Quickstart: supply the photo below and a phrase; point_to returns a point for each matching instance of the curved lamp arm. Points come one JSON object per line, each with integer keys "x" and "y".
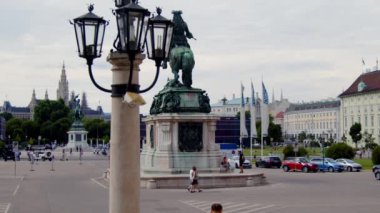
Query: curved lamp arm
{"x": 93, "y": 79}
{"x": 154, "y": 81}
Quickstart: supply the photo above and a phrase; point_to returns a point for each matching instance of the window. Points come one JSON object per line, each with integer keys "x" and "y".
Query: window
{"x": 372, "y": 121}
{"x": 365, "y": 120}
{"x": 345, "y": 121}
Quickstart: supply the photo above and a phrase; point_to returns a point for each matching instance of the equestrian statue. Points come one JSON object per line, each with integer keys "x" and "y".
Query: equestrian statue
{"x": 176, "y": 96}
{"x": 180, "y": 56}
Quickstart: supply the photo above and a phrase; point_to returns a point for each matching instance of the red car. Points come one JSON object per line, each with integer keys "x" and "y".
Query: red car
{"x": 299, "y": 164}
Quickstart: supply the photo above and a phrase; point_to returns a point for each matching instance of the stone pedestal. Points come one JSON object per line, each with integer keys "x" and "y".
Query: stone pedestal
{"x": 77, "y": 137}
{"x": 175, "y": 142}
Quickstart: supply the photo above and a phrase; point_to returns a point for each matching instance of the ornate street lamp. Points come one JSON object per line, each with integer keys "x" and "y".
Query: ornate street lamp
{"x": 120, "y": 3}
{"x": 134, "y": 31}
{"x": 132, "y": 23}
{"x": 89, "y": 32}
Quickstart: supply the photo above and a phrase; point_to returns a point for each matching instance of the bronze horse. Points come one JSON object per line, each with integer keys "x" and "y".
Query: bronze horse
{"x": 181, "y": 57}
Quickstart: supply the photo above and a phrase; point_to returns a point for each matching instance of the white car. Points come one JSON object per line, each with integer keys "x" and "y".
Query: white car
{"x": 349, "y": 165}
{"x": 42, "y": 155}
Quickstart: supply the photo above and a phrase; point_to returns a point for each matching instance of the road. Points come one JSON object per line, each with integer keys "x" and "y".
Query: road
{"x": 75, "y": 187}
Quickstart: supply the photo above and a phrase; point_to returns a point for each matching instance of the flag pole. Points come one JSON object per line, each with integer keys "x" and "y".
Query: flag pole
{"x": 251, "y": 147}
{"x": 262, "y": 145}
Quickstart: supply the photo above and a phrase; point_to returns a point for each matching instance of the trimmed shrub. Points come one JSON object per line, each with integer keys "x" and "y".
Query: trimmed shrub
{"x": 340, "y": 150}
{"x": 376, "y": 155}
{"x": 288, "y": 151}
{"x": 302, "y": 152}
{"x": 314, "y": 144}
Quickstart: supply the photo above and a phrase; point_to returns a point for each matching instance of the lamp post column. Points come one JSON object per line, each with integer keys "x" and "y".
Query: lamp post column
{"x": 125, "y": 147}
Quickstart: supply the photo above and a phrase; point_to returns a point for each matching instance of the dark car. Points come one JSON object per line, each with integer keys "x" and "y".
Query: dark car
{"x": 376, "y": 171}
{"x": 269, "y": 162}
{"x": 299, "y": 164}
{"x": 8, "y": 154}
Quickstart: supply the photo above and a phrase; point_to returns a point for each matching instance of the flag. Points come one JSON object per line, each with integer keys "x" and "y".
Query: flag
{"x": 363, "y": 62}
{"x": 243, "y": 128}
{"x": 264, "y": 112}
{"x": 253, "y": 113}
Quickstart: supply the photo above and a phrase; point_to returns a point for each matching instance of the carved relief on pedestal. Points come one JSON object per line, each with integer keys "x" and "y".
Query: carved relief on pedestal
{"x": 151, "y": 137}
{"x": 190, "y": 136}
{"x": 165, "y": 136}
{"x": 211, "y": 127}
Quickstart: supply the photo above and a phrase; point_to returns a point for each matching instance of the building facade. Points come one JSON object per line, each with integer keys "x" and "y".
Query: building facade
{"x": 230, "y": 108}
{"x": 319, "y": 119}
{"x": 360, "y": 103}
{"x": 62, "y": 93}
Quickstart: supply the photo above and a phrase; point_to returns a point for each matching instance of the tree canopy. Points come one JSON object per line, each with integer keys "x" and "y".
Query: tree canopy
{"x": 355, "y": 133}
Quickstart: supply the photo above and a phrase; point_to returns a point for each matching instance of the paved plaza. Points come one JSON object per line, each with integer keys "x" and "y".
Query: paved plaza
{"x": 76, "y": 186}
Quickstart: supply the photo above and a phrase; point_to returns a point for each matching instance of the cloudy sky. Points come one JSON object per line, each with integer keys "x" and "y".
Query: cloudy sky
{"x": 311, "y": 50}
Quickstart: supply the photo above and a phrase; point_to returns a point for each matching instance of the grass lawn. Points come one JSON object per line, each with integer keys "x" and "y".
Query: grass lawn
{"x": 278, "y": 151}
{"x": 365, "y": 162}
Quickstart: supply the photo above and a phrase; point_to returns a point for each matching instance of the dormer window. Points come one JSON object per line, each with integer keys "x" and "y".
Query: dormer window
{"x": 361, "y": 86}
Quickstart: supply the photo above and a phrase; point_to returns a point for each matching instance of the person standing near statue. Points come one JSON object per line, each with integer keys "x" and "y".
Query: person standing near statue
{"x": 194, "y": 180}
{"x": 241, "y": 161}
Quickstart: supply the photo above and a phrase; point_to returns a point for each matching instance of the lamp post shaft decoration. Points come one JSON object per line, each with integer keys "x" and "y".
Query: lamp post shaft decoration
{"x": 133, "y": 28}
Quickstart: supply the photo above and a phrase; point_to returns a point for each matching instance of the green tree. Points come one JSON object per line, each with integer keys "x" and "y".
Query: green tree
{"x": 97, "y": 128}
{"x": 14, "y": 128}
{"x": 30, "y": 129}
{"x": 50, "y": 111}
{"x": 369, "y": 141}
{"x": 60, "y": 128}
{"x": 355, "y": 133}
{"x": 376, "y": 155}
{"x": 302, "y": 136}
{"x": 344, "y": 138}
{"x": 275, "y": 132}
{"x": 54, "y": 119}
{"x": 6, "y": 115}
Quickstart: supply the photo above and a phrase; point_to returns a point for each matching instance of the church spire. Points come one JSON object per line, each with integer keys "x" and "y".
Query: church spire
{"x": 282, "y": 97}
{"x": 272, "y": 95}
{"x": 63, "y": 86}
{"x": 34, "y": 95}
{"x": 84, "y": 101}
{"x": 46, "y": 95}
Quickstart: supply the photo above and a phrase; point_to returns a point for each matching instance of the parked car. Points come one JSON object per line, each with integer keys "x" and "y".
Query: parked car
{"x": 376, "y": 168}
{"x": 328, "y": 164}
{"x": 8, "y": 154}
{"x": 349, "y": 165}
{"x": 246, "y": 165}
{"x": 299, "y": 164}
{"x": 42, "y": 155}
{"x": 376, "y": 171}
{"x": 268, "y": 162}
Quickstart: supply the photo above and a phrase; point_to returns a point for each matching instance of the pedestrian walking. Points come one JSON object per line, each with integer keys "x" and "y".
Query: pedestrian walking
{"x": 194, "y": 180}
{"x": 241, "y": 161}
{"x": 64, "y": 155}
{"x": 216, "y": 208}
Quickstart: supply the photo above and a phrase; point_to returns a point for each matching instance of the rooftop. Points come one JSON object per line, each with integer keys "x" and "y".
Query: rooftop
{"x": 366, "y": 82}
